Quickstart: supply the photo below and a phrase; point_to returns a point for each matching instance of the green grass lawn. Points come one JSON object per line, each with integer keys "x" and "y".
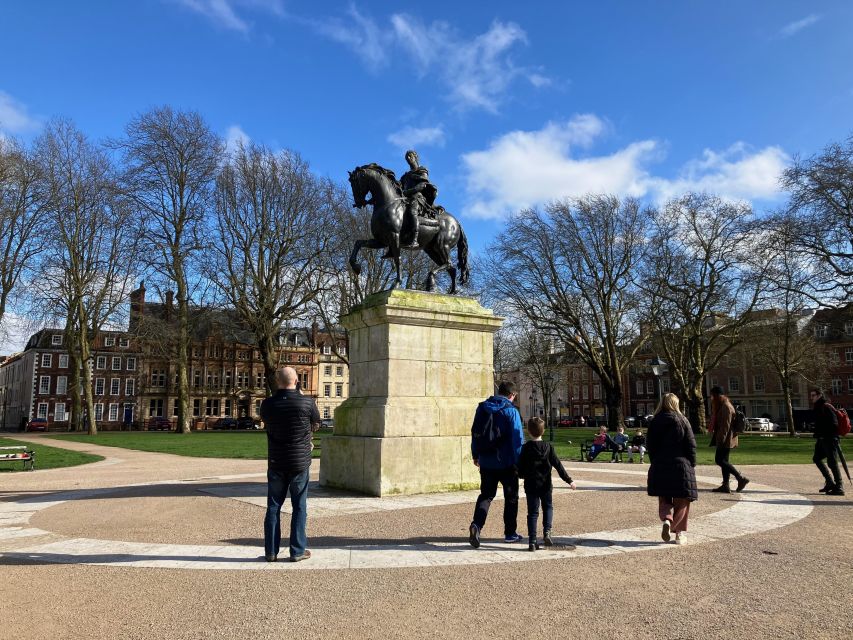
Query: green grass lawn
{"x": 47, "y": 457}
{"x": 252, "y": 445}
{"x": 247, "y": 445}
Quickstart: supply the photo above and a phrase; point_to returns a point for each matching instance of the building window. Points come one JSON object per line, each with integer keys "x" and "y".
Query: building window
{"x": 650, "y": 387}
{"x": 174, "y": 408}
{"x": 59, "y": 412}
{"x": 99, "y": 386}
{"x": 131, "y": 364}
{"x": 99, "y": 412}
{"x": 101, "y": 362}
{"x": 196, "y": 407}
{"x": 56, "y": 338}
{"x": 196, "y": 352}
{"x": 257, "y": 407}
{"x": 734, "y": 384}
{"x": 834, "y": 356}
{"x": 227, "y": 412}
{"x": 342, "y": 350}
{"x": 259, "y": 379}
{"x": 115, "y": 386}
{"x": 850, "y": 384}
{"x": 44, "y": 384}
{"x": 585, "y": 392}
{"x": 61, "y": 385}
{"x": 42, "y": 410}
{"x": 640, "y": 387}
{"x": 211, "y": 407}
{"x": 113, "y": 412}
{"x": 327, "y": 390}
{"x": 155, "y": 407}
{"x": 117, "y": 364}
{"x": 303, "y": 381}
{"x": 327, "y": 413}
{"x": 596, "y": 392}
{"x": 576, "y": 391}
{"x": 109, "y": 341}
{"x": 158, "y": 378}
{"x": 664, "y": 385}
{"x": 339, "y": 371}
{"x": 327, "y": 350}
{"x": 242, "y": 355}
{"x": 124, "y": 343}
{"x": 327, "y": 370}
{"x": 820, "y": 330}
{"x": 63, "y": 361}
{"x": 848, "y": 328}
{"x": 227, "y": 379}
{"x": 339, "y": 390}
{"x": 197, "y": 378}
{"x": 129, "y": 387}
{"x": 848, "y": 355}
{"x": 242, "y": 379}
{"x": 836, "y": 386}
{"x": 46, "y": 360}
{"x": 758, "y": 383}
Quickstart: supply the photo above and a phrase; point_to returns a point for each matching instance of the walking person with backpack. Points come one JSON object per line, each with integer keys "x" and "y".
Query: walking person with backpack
{"x": 496, "y": 439}
{"x": 726, "y": 424}
{"x": 534, "y": 465}
{"x": 826, "y": 447}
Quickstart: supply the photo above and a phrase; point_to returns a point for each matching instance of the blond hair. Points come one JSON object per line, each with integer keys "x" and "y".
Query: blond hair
{"x": 669, "y": 402}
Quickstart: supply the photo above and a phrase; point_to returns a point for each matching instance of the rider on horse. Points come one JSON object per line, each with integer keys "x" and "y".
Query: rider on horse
{"x": 421, "y": 195}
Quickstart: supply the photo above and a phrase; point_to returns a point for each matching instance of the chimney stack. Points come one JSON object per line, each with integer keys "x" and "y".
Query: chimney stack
{"x": 137, "y": 305}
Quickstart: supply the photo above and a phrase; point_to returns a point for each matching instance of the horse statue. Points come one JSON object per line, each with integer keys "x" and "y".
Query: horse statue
{"x": 436, "y": 236}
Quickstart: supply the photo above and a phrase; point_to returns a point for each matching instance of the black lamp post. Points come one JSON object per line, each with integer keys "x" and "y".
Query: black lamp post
{"x": 659, "y": 367}
{"x": 549, "y": 383}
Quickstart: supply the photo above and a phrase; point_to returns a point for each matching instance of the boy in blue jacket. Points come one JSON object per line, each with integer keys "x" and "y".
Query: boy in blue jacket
{"x": 497, "y": 461}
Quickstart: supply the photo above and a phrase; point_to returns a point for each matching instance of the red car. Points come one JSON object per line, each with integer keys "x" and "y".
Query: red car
{"x": 37, "y": 424}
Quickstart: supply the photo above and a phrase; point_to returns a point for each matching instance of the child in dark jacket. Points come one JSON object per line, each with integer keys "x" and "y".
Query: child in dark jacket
{"x": 534, "y": 465}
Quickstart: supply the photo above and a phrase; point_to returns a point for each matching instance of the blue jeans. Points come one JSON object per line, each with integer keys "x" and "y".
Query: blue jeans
{"x": 278, "y": 485}
{"x": 533, "y": 500}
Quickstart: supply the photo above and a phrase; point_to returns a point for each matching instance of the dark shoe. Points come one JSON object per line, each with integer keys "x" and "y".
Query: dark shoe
{"x": 474, "y": 535}
{"x": 742, "y": 483}
{"x": 304, "y": 556}
{"x": 515, "y": 537}
{"x": 547, "y": 539}
{"x": 827, "y": 488}
{"x": 837, "y": 490}
{"x": 533, "y": 546}
{"x": 664, "y": 532}
{"x": 721, "y": 489}
{"x": 271, "y": 558}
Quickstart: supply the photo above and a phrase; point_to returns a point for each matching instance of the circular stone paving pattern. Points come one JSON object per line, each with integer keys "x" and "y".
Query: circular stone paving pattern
{"x": 761, "y": 508}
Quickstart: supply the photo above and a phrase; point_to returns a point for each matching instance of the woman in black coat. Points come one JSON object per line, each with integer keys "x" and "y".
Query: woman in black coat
{"x": 672, "y": 452}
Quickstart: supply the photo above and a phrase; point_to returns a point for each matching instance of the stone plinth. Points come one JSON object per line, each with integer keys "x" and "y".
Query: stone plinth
{"x": 419, "y": 364}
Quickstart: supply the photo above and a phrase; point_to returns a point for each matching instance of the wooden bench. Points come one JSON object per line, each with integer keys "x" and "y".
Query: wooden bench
{"x": 586, "y": 446}
{"x": 18, "y": 454}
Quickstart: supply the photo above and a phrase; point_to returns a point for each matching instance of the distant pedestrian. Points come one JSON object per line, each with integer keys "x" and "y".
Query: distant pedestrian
{"x": 826, "y": 447}
{"x": 725, "y": 439}
{"x": 672, "y": 479}
{"x": 289, "y": 417}
{"x": 534, "y": 465}
{"x": 496, "y": 440}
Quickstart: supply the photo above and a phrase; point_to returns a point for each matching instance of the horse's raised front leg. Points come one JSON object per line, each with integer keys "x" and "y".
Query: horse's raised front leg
{"x": 359, "y": 244}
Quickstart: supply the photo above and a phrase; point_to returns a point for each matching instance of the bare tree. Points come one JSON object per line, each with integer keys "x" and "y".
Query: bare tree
{"x": 703, "y": 279}
{"x": 821, "y": 197}
{"x": 22, "y": 214}
{"x": 88, "y": 265}
{"x": 171, "y": 159}
{"x": 540, "y": 361}
{"x": 571, "y": 271}
{"x": 271, "y": 221}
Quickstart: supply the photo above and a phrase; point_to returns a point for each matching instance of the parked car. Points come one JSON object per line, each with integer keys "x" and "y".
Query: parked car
{"x": 37, "y": 424}
{"x": 159, "y": 423}
{"x": 327, "y": 423}
{"x": 247, "y": 422}
{"x": 225, "y": 423}
{"x": 566, "y": 422}
{"x": 759, "y": 424}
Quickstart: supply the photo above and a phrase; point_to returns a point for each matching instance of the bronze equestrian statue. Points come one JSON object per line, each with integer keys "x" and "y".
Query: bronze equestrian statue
{"x": 405, "y": 216}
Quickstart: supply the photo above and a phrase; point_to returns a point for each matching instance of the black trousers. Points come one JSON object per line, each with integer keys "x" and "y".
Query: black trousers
{"x": 489, "y": 479}
{"x": 827, "y": 449}
{"x": 722, "y": 460}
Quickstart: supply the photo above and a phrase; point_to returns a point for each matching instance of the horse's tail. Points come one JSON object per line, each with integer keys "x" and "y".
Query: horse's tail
{"x": 462, "y": 257}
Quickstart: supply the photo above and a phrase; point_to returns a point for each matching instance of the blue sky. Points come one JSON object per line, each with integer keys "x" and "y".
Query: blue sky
{"x": 510, "y": 104}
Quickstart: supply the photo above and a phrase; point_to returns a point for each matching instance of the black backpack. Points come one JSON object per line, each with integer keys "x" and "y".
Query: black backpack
{"x": 485, "y": 432}
{"x": 739, "y": 422}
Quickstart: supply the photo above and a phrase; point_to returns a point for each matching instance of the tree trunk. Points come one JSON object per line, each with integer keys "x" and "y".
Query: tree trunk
{"x": 183, "y": 425}
{"x": 613, "y": 401}
{"x": 74, "y": 389}
{"x": 789, "y": 408}
{"x": 696, "y": 407}
{"x": 88, "y": 396}
{"x": 265, "y": 344}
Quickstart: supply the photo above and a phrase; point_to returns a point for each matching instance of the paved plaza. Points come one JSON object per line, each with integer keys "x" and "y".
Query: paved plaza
{"x": 146, "y": 545}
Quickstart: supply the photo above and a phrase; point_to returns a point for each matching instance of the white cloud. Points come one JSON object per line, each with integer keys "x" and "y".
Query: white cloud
{"x": 224, "y": 12}
{"x": 14, "y": 116}
{"x": 409, "y": 137}
{"x": 234, "y": 137}
{"x": 528, "y": 168}
{"x": 795, "y": 27}
{"x": 362, "y": 35}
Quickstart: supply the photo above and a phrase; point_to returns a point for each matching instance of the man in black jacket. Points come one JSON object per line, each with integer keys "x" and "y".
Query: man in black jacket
{"x": 290, "y": 418}
{"x": 826, "y": 433}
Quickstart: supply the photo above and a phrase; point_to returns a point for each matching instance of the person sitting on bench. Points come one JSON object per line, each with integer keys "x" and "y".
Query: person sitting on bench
{"x": 620, "y": 443}
{"x": 638, "y": 445}
{"x": 600, "y": 443}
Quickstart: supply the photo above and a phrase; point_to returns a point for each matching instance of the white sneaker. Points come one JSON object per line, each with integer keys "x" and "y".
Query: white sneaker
{"x": 680, "y": 538}
{"x": 664, "y": 532}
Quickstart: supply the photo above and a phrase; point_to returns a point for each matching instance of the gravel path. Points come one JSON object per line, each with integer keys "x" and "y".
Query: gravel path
{"x": 792, "y": 582}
